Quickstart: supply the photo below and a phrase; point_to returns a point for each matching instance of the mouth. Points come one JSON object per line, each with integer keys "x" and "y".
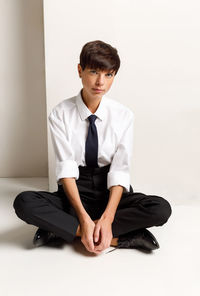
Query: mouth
{"x": 97, "y": 90}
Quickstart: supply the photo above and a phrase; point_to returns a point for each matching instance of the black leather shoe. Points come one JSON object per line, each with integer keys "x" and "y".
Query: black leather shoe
{"x": 43, "y": 237}
{"x": 138, "y": 239}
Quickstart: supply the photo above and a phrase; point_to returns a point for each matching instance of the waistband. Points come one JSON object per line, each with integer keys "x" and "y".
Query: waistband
{"x": 89, "y": 171}
{"x": 85, "y": 170}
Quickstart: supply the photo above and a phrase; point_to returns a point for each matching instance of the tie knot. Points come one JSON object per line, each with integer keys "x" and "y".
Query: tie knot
{"x": 92, "y": 118}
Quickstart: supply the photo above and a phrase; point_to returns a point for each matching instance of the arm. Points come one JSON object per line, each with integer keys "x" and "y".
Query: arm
{"x": 118, "y": 183}
{"x": 86, "y": 224}
{"x": 118, "y": 179}
{"x": 71, "y": 190}
{"x": 119, "y": 173}
{"x": 66, "y": 173}
{"x": 114, "y": 199}
{"x": 66, "y": 166}
{"x": 88, "y": 228}
{"x": 104, "y": 225}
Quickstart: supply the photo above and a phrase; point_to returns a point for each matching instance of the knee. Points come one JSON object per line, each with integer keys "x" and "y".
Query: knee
{"x": 21, "y": 201}
{"x": 163, "y": 211}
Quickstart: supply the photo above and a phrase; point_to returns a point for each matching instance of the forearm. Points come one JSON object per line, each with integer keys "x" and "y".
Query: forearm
{"x": 113, "y": 202}
{"x": 71, "y": 190}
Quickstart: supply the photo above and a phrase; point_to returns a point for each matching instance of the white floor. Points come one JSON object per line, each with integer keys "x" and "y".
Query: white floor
{"x": 174, "y": 269}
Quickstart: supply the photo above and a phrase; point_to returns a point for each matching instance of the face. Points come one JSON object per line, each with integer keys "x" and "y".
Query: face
{"x": 96, "y": 82}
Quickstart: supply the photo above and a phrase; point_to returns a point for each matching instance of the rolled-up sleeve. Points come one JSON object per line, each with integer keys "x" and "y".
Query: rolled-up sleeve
{"x": 66, "y": 166}
{"x": 119, "y": 173}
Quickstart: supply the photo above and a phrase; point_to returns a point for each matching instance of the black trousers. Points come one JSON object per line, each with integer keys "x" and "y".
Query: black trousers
{"x": 53, "y": 212}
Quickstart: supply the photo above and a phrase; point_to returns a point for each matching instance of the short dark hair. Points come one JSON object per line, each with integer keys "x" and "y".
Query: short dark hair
{"x": 99, "y": 55}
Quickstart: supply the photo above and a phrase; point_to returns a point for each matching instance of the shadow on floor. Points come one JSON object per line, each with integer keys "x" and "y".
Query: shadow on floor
{"x": 22, "y": 236}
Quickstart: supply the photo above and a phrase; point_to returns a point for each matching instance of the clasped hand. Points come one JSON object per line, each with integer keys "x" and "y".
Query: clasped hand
{"x": 96, "y": 235}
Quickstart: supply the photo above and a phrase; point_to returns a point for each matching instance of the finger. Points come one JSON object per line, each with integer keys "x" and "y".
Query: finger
{"x": 100, "y": 247}
{"x": 105, "y": 244}
{"x": 96, "y": 234}
{"x": 90, "y": 245}
{"x": 97, "y": 251}
{"x": 103, "y": 247}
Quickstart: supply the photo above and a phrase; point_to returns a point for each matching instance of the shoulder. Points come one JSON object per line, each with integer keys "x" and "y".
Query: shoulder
{"x": 63, "y": 107}
{"x": 119, "y": 110}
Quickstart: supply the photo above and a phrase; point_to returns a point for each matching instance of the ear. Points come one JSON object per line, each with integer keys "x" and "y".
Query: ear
{"x": 79, "y": 70}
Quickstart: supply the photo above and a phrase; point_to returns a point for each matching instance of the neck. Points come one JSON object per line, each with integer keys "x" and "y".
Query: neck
{"x": 91, "y": 103}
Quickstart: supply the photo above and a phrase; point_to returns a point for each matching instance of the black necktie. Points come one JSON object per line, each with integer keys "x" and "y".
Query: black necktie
{"x": 91, "y": 144}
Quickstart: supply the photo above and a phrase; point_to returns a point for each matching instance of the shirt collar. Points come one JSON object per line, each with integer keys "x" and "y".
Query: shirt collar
{"x": 85, "y": 112}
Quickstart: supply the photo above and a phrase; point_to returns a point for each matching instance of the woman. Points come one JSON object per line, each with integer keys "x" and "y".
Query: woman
{"x": 92, "y": 137}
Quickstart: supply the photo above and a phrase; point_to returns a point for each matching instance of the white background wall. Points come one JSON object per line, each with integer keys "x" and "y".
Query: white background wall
{"x": 159, "y": 45}
{"x": 23, "y": 127}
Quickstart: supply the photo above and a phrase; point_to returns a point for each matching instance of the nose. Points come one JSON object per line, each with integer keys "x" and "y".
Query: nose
{"x": 100, "y": 79}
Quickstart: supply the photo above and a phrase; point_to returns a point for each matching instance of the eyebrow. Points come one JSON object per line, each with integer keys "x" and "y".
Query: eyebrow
{"x": 108, "y": 71}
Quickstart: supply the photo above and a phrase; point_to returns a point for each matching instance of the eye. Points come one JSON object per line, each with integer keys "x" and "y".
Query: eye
{"x": 109, "y": 74}
{"x": 93, "y": 71}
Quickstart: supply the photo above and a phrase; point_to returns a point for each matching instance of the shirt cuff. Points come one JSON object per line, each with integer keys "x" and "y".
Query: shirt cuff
{"x": 66, "y": 169}
{"x": 118, "y": 178}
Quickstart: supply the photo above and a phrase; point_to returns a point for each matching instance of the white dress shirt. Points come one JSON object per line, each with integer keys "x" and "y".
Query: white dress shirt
{"x": 69, "y": 127}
